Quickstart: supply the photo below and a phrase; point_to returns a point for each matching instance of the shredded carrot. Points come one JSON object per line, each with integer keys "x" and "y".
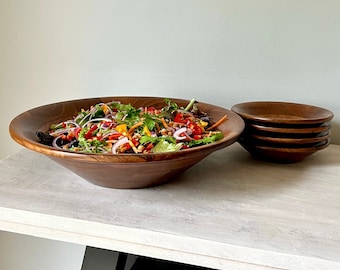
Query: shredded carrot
{"x": 157, "y": 127}
{"x": 164, "y": 123}
{"x": 218, "y": 123}
{"x": 133, "y": 147}
{"x": 134, "y": 127}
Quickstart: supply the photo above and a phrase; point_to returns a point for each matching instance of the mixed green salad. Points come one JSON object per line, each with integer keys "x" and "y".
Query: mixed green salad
{"x": 117, "y": 128}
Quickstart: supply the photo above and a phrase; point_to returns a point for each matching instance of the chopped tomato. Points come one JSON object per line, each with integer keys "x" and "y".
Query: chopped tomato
{"x": 197, "y": 137}
{"x": 196, "y": 130}
{"x": 151, "y": 110}
{"x": 179, "y": 118}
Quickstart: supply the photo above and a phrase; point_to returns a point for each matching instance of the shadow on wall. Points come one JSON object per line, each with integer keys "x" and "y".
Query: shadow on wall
{"x": 335, "y": 129}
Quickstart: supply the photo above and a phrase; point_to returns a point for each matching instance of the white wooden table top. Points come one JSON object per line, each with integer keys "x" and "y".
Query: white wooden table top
{"x": 230, "y": 211}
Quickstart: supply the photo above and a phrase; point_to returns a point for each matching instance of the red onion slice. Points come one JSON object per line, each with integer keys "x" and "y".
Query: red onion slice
{"x": 62, "y": 131}
{"x": 54, "y": 142}
{"x": 97, "y": 120}
{"x": 106, "y": 105}
{"x": 178, "y": 132}
{"x": 120, "y": 142}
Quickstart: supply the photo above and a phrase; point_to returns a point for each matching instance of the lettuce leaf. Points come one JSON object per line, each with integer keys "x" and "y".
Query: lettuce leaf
{"x": 151, "y": 139}
{"x": 165, "y": 146}
{"x": 213, "y": 138}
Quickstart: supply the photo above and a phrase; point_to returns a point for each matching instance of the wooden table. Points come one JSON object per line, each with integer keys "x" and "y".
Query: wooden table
{"x": 230, "y": 211}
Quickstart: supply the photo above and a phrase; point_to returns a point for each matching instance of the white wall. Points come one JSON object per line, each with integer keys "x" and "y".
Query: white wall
{"x": 222, "y": 52}
{"x": 21, "y": 252}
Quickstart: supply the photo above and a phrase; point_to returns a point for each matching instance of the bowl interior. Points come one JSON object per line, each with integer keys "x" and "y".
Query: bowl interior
{"x": 282, "y": 112}
{"x": 23, "y": 127}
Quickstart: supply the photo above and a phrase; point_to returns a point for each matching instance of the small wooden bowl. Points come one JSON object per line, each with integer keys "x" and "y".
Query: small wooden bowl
{"x": 288, "y": 141}
{"x": 120, "y": 170}
{"x": 279, "y": 154}
{"x": 297, "y": 131}
{"x": 285, "y": 113}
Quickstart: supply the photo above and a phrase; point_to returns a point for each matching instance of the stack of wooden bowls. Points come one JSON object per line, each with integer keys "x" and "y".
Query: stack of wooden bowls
{"x": 283, "y": 132}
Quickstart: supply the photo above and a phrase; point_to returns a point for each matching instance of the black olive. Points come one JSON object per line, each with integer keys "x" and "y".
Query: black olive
{"x": 44, "y": 138}
{"x": 205, "y": 118}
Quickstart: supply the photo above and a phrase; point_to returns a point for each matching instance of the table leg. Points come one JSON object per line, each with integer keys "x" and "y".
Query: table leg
{"x": 102, "y": 259}
{"x": 121, "y": 262}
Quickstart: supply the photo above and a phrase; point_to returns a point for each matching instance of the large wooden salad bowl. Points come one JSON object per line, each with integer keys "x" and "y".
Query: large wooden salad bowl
{"x": 120, "y": 170}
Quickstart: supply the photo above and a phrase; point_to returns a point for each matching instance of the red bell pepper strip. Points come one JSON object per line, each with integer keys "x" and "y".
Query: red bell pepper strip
{"x": 115, "y": 136}
{"x": 89, "y": 134}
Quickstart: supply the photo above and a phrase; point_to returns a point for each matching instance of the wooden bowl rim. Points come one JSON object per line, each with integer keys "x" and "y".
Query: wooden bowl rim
{"x": 244, "y": 110}
{"x": 296, "y": 149}
{"x": 289, "y": 130}
{"x": 17, "y": 136}
{"x": 289, "y": 141}
{"x": 306, "y": 150}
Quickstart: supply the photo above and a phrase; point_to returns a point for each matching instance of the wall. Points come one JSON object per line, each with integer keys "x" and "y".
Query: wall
{"x": 21, "y": 252}
{"x": 222, "y": 52}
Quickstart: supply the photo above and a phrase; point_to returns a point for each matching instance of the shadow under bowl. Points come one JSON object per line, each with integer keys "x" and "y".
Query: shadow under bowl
{"x": 120, "y": 170}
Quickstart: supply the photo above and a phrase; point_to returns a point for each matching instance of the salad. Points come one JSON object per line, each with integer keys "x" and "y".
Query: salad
{"x": 116, "y": 128}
